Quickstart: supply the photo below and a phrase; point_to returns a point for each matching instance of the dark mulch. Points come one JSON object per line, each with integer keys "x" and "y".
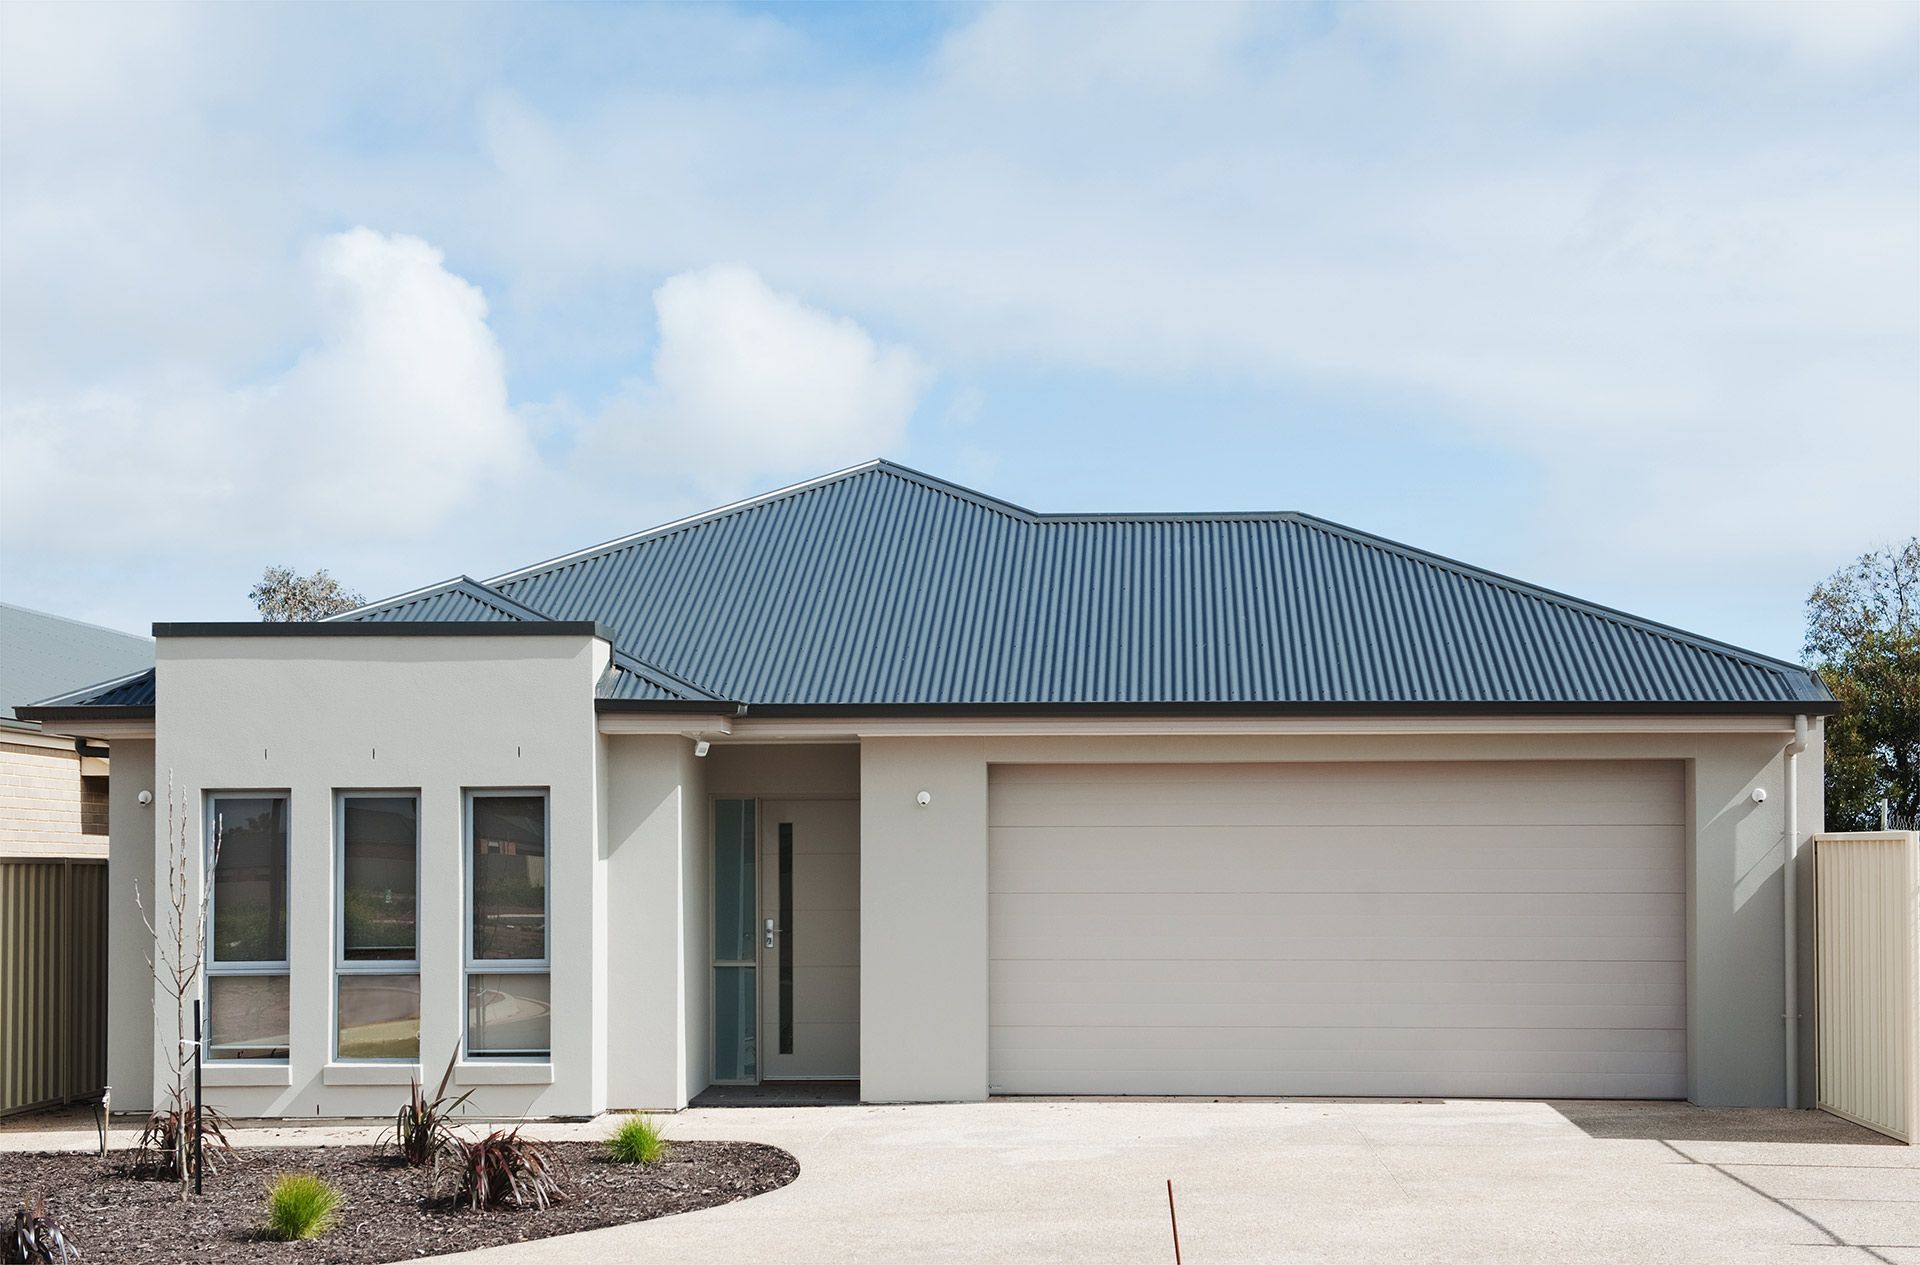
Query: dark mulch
{"x": 391, "y": 1211}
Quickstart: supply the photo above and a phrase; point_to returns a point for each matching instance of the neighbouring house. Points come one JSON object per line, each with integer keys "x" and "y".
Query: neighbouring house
{"x": 879, "y": 778}
{"x": 53, "y": 787}
{"x": 53, "y": 850}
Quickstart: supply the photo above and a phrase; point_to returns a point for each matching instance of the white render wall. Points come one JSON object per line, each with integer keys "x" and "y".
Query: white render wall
{"x": 924, "y": 889}
{"x": 312, "y": 715}
{"x": 659, "y": 960}
{"x": 130, "y": 837}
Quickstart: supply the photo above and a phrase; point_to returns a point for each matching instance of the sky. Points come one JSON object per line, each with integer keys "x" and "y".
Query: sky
{"x": 1621, "y": 299}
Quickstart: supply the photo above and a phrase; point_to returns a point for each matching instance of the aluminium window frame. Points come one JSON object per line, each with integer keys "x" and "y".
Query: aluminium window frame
{"x": 471, "y": 966}
{"x": 210, "y": 964}
{"x": 341, "y": 964}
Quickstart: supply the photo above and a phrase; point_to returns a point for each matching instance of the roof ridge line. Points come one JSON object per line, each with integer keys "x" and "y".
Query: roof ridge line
{"x": 1527, "y": 588}
{"x": 629, "y": 662}
{"x": 681, "y": 524}
{"x": 476, "y": 589}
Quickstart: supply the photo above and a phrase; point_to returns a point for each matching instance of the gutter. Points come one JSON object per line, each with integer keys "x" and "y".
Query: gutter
{"x": 1791, "y": 911}
{"x": 1244, "y": 708}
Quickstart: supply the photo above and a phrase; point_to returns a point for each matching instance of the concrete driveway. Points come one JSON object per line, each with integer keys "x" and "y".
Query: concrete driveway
{"x": 1370, "y": 1182}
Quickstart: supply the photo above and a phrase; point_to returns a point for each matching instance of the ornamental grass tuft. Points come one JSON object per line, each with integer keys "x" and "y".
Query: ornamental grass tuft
{"x": 301, "y": 1205}
{"x": 636, "y": 1140}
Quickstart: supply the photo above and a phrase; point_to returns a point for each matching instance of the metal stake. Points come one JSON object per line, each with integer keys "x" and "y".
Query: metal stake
{"x": 198, "y": 1168}
{"x": 1171, "y": 1216}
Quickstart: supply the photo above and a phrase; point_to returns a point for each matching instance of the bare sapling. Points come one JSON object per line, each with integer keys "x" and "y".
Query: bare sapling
{"x": 178, "y": 955}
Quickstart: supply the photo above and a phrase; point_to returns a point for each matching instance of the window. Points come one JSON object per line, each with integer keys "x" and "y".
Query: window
{"x": 247, "y": 931}
{"x": 377, "y": 873}
{"x": 508, "y": 970}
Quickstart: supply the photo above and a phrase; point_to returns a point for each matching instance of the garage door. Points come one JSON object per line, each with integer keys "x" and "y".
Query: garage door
{"x": 1404, "y": 930}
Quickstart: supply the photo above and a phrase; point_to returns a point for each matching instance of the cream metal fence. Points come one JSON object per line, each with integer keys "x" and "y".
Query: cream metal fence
{"x": 1867, "y": 1001}
{"x": 53, "y": 981}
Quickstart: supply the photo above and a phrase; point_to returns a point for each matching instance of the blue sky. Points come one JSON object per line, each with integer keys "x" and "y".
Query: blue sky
{"x": 1623, "y": 299}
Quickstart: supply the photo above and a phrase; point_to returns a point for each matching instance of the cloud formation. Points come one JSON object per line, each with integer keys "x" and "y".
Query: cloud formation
{"x": 747, "y": 382}
{"x": 1659, "y": 258}
{"x": 393, "y": 416}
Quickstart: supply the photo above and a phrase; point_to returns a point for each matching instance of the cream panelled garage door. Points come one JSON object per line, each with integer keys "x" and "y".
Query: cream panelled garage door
{"x": 1445, "y": 929}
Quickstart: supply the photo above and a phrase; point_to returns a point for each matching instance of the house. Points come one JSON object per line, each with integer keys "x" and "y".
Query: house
{"x": 53, "y": 851}
{"x": 878, "y": 777}
{"x": 53, "y": 788}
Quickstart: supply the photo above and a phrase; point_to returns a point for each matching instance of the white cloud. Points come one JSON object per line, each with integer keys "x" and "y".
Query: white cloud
{"x": 393, "y": 416}
{"x": 748, "y": 381}
{"x": 1817, "y": 34}
{"x": 1661, "y": 254}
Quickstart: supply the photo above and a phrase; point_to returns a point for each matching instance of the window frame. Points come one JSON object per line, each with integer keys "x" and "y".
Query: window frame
{"x": 342, "y": 965}
{"x": 471, "y": 966}
{"x": 210, "y": 964}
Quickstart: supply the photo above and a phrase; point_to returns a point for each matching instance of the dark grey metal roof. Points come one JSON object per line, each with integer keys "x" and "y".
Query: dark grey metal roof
{"x": 466, "y": 598}
{"x": 462, "y": 598}
{"x": 881, "y": 586}
{"x": 42, "y": 655}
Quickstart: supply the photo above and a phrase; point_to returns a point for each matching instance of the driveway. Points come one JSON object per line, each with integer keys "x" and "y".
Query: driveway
{"x": 1372, "y": 1183}
{"x": 1363, "y": 1182}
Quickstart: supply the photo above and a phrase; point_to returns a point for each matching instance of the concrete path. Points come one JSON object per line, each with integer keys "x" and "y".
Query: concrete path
{"x": 1362, "y": 1182}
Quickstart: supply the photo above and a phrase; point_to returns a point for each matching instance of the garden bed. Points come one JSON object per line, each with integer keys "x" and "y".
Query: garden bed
{"x": 391, "y": 1211}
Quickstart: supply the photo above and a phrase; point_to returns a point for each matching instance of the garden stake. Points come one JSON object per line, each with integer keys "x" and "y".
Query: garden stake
{"x": 1174, "y": 1218}
{"x": 197, "y": 1168}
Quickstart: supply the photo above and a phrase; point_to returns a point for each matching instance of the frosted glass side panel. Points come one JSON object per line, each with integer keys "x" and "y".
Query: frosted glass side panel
{"x": 734, "y": 1053}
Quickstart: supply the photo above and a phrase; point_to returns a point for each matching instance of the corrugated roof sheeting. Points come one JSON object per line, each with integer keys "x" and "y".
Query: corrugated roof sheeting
{"x": 131, "y": 691}
{"x": 461, "y": 599}
{"x": 882, "y": 586}
{"x": 886, "y": 587}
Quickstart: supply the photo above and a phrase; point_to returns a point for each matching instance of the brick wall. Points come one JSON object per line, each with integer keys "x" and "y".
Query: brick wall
{"x": 44, "y": 808}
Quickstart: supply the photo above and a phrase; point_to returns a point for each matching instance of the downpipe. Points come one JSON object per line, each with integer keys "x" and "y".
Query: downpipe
{"x": 1791, "y": 923}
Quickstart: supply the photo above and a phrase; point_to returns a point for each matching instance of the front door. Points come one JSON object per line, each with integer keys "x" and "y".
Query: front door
{"x": 809, "y": 878}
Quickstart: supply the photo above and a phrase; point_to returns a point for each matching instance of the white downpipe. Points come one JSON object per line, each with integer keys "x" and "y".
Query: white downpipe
{"x": 1792, "y": 909}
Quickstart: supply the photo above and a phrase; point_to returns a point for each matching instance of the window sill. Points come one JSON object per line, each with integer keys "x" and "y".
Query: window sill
{"x": 241, "y": 1072}
{"x": 503, "y": 1072}
{"x": 369, "y": 1073}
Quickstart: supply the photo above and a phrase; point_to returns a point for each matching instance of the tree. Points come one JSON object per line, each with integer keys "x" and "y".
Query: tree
{"x": 178, "y": 956}
{"x": 1863, "y": 636}
{"x": 282, "y": 596}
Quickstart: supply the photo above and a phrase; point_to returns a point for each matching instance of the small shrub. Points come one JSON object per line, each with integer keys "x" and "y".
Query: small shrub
{"x": 165, "y": 1148}
{"x": 301, "y": 1205}
{"x": 501, "y": 1168}
{"x": 37, "y": 1238}
{"x": 423, "y": 1126}
{"x": 636, "y": 1140}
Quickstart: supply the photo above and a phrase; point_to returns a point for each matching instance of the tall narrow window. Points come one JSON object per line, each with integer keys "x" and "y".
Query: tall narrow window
{"x": 377, "y": 1002}
{"x": 247, "y": 1015}
{"x": 508, "y": 967}
{"x": 736, "y": 936}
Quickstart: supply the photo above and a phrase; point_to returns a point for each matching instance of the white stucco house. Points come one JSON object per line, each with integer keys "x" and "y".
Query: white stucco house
{"x": 877, "y": 778}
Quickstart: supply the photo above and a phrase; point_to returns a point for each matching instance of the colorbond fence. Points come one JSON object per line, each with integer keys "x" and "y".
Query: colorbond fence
{"x": 1867, "y": 1006}
{"x": 53, "y": 981}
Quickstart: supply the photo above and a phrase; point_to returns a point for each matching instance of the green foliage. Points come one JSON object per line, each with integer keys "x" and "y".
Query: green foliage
{"x": 636, "y": 1140}
{"x": 282, "y": 596}
{"x": 301, "y": 1205}
{"x": 424, "y": 1126}
{"x": 1863, "y": 635}
{"x": 501, "y": 1168}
